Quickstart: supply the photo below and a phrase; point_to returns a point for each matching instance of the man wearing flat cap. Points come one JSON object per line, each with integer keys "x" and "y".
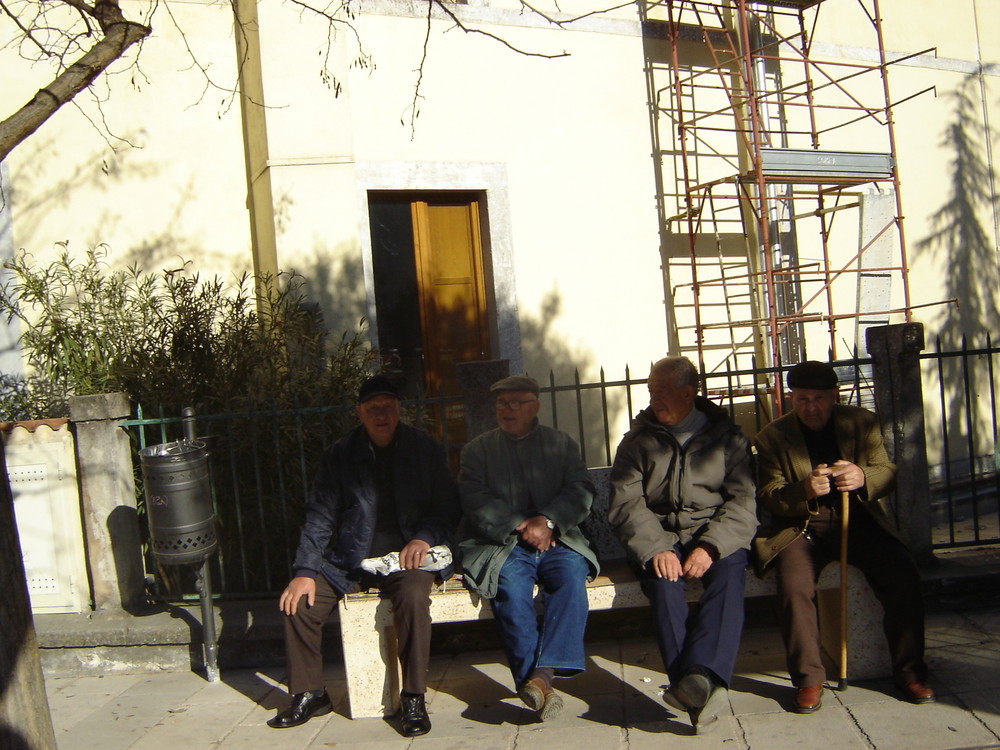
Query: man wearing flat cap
{"x": 806, "y": 459}
{"x": 383, "y": 488}
{"x": 525, "y": 491}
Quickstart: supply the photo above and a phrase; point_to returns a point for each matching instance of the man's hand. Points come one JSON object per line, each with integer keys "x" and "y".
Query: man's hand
{"x": 298, "y": 587}
{"x": 818, "y": 481}
{"x": 535, "y": 531}
{"x": 412, "y": 555}
{"x": 847, "y": 476}
{"x": 697, "y": 563}
{"x": 666, "y": 565}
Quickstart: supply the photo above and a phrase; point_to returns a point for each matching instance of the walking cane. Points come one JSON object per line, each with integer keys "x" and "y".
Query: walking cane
{"x": 844, "y": 517}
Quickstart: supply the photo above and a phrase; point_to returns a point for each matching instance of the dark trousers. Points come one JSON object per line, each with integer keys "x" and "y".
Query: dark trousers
{"x": 707, "y": 635}
{"x": 408, "y": 590}
{"x": 890, "y": 571}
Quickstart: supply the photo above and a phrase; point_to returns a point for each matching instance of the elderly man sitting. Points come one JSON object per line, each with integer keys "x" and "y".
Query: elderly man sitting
{"x": 805, "y": 460}
{"x": 524, "y": 492}
{"x": 682, "y": 503}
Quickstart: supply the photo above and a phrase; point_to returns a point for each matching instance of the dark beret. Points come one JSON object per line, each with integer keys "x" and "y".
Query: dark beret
{"x": 817, "y": 376}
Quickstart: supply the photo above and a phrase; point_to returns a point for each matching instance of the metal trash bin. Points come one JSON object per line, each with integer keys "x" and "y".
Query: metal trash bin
{"x": 179, "y": 502}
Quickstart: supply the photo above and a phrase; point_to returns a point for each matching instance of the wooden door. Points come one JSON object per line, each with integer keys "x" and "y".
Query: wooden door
{"x": 452, "y": 294}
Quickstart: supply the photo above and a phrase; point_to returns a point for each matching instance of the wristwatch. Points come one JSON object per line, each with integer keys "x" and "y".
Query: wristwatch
{"x": 550, "y": 523}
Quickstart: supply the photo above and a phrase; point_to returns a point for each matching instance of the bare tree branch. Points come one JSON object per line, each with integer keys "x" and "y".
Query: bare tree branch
{"x": 468, "y": 30}
{"x": 24, "y": 29}
{"x": 119, "y": 35}
{"x": 85, "y": 47}
{"x": 333, "y": 20}
{"x": 415, "y": 104}
{"x": 567, "y": 21}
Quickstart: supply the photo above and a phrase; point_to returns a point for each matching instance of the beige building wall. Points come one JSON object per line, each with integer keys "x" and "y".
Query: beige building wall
{"x": 149, "y": 164}
{"x": 561, "y": 147}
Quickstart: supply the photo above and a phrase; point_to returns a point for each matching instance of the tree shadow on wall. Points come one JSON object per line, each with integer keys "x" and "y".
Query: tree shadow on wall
{"x": 550, "y": 359}
{"x": 334, "y": 280}
{"x": 960, "y": 237}
{"x": 36, "y": 198}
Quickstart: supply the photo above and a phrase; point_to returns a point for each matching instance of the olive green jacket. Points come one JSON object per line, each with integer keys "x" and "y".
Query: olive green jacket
{"x": 504, "y": 480}
{"x": 783, "y": 466}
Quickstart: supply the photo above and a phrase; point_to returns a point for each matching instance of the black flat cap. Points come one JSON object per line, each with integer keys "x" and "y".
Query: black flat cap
{"x": 817, "y": 376}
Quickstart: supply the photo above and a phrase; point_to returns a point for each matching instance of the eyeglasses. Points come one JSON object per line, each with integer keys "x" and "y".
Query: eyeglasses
{"x": 513, "y": 404}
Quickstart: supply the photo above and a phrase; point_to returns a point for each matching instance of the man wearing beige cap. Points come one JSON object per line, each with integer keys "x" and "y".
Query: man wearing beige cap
{"x": 524, "y": 491}
{"x": 806, "y": 459}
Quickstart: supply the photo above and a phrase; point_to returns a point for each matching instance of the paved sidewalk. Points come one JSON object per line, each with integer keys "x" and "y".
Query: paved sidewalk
{"x": 614, "y": 704}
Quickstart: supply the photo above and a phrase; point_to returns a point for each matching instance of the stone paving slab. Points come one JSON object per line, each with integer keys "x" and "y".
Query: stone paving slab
{"x": 830, "y": 727}
{"x": 894, "y": 725}
{"x": 616, "y": 704}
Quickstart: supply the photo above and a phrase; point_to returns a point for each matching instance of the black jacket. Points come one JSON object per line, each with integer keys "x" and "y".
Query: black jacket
{"x": 340, "y": 513}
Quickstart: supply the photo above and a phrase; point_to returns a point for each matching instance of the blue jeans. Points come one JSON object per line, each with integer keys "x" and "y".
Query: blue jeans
{"x": 708, "y": 635}
{"x": 557, "y": 643}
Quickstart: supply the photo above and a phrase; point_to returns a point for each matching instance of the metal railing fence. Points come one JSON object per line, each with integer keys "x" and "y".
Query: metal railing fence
{"x": 965, "y": 481}
{"x": 262, "y": 464}
{"x": 263, "y": 461}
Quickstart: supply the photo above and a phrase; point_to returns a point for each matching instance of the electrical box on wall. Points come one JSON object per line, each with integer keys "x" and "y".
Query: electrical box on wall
{"x": 41, "y": 467}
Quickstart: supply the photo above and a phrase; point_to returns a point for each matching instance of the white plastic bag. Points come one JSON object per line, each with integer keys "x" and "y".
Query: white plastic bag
{"x": 437, "y": 558}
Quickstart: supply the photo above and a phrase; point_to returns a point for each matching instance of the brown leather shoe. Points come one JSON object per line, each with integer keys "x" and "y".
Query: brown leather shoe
{"x": 540, "y": 698}
{"x": 918, "y": 692}
{"x": 808, "y": 699}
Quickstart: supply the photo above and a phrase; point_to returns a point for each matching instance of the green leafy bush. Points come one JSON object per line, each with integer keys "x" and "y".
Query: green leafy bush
{"x": 171, "y": 339}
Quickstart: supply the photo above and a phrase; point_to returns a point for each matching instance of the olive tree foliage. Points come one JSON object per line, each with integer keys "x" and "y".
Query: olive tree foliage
{"x": 170, "y": 339}
{"x": 81, "y": 41}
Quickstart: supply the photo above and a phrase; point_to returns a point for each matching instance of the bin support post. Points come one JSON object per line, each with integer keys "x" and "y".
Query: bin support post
{"x": 203, "y": 581}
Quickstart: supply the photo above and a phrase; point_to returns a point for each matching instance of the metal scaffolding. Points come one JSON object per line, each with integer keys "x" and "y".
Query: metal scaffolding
{"x": 775, "y": 227}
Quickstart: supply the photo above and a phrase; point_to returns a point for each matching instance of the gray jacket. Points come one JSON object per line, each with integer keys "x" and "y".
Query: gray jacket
{"x": 663, "y": 495}
{"x": 504, "y": 480}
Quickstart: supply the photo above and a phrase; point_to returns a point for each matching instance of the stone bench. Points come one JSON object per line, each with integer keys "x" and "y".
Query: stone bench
{"x": 372, "y": 666}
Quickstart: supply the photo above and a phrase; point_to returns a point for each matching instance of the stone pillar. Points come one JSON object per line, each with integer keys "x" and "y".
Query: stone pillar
{"x": 107, "y": 493}
{"x": 475, "y": 379}
{"x": 899, "y": 399}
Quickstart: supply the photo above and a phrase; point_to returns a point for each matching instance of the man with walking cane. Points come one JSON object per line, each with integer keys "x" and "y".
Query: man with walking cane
{"x": 807, "y": 461}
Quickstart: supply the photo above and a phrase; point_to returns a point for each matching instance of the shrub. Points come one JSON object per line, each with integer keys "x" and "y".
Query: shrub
{"x": 171, "y": 339}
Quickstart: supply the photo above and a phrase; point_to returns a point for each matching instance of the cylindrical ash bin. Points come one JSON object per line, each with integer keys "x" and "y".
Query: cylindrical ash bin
{"x": 179, "y": 502}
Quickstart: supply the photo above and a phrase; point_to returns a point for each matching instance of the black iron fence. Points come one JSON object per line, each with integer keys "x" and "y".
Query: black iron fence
{"x": 263, "y": 461}
{"x": 960, "y": 390}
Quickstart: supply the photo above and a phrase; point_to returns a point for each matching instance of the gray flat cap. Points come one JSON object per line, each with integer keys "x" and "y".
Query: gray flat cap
{"x": 516, "y": 383}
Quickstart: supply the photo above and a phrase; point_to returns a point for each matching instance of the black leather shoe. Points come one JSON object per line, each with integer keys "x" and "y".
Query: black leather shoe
{"x": 414, "y": 720}
{"x": 304, "y": 707}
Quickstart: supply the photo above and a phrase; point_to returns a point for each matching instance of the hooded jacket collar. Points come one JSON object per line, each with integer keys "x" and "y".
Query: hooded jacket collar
{"x": 718, "y": 420}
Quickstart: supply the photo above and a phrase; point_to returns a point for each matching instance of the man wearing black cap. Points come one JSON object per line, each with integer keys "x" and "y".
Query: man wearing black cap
{"x": 525, "y": 490}
{"x": 805, "y": 460}
{"x": 384, "y": 487}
